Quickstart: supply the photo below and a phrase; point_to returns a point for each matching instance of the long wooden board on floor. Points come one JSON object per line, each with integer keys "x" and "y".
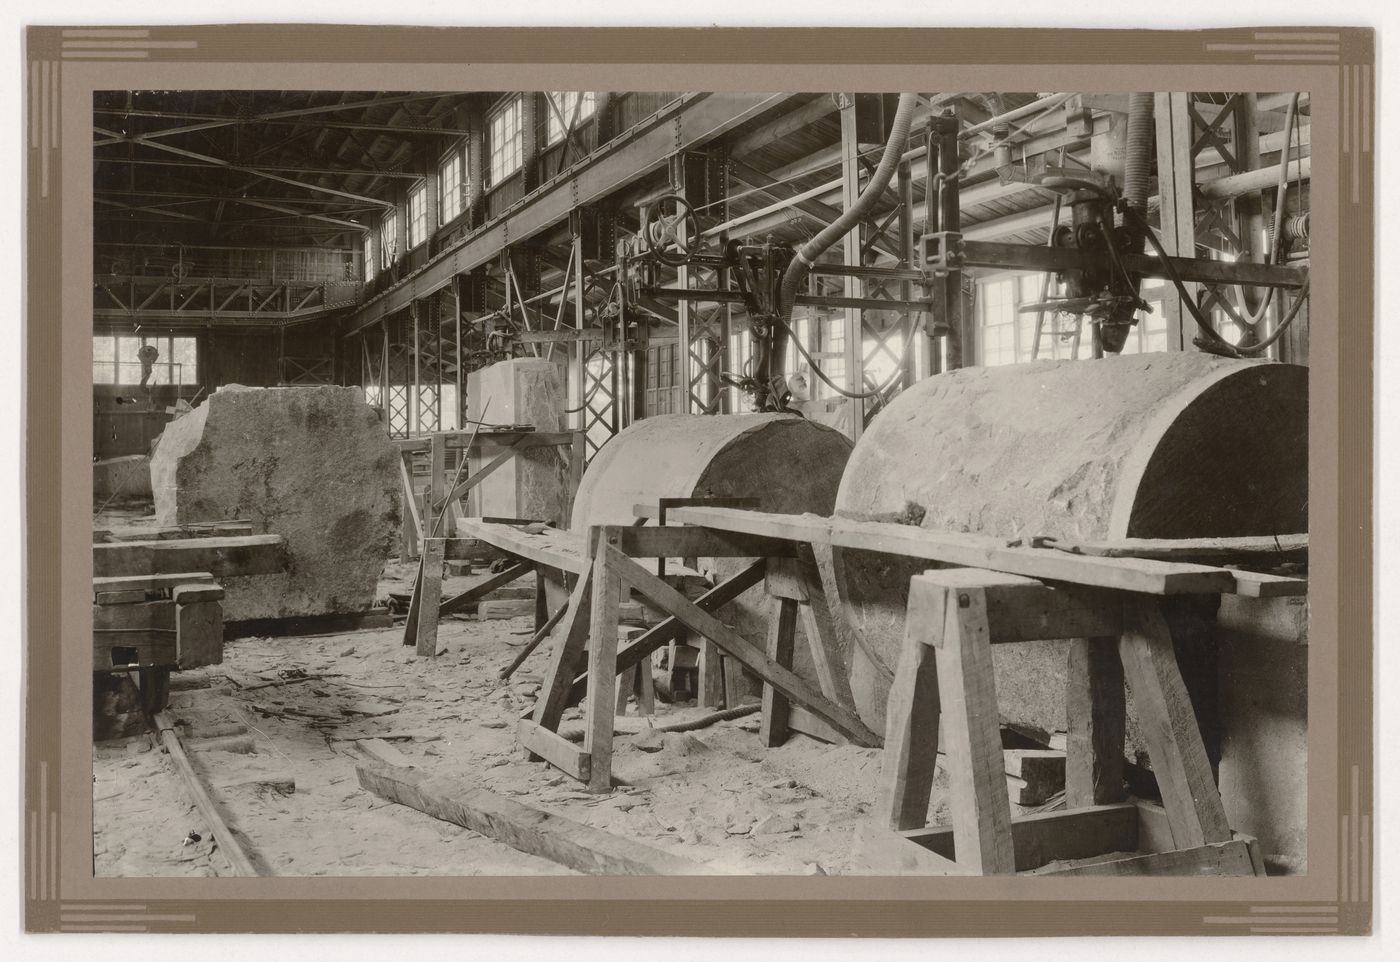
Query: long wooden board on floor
{"x": 976, "y": 551}
{"x": 579, "y": 847}
{"x": 259, "y": 554}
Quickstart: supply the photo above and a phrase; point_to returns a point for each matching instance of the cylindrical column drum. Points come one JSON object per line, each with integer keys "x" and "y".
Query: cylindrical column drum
{"x": 787, "y": 463}
{"x": 1168, "y": 445}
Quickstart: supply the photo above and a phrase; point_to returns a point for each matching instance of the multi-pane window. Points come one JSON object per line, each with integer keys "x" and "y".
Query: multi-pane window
{"x": 832, "y": 357}
{"x": 1007, "y": 335}
{"x": 451, "y": 186}
{"x": 417, "y": 215}
{"x": 388, "y": 239}
{"x": 369, "y": 262}
{"x": 568, "y": 109}
{"x": 506, "y": 140}
{"x": 116, "y": 359}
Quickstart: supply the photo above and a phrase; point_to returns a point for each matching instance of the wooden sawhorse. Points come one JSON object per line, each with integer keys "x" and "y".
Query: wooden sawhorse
{"x": 588, "y": 637}
{"x": 945, "y": 679}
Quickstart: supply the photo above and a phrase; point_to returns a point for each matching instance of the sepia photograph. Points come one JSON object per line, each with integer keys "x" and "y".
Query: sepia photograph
{"x": 667, "y": 483}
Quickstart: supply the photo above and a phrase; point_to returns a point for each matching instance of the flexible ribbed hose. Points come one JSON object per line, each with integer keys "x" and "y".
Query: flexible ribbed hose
{"x": 1138, "y": 167}
{"x": 801, "y": 265}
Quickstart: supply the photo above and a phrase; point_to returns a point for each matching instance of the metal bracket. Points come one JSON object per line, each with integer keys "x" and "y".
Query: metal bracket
{"x": 943, "y": 252}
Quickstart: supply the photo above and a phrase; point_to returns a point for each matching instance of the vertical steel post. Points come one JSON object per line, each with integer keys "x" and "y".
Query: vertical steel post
{"x": 1175, "y": 172}
{"x": 850, "y": 191}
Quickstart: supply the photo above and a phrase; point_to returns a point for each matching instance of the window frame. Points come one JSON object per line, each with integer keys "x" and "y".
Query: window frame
{"x": 388, "y": 232}
{"x": 416, "y": 207}
{"x": 497, "y": 148}
{"x": 165, "y": 367}
{"x": 456, "y": 160}
{"x": 556, "y": 129}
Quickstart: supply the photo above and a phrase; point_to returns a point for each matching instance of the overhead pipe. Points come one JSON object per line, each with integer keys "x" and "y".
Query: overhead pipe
{"x": 805, "y": 257}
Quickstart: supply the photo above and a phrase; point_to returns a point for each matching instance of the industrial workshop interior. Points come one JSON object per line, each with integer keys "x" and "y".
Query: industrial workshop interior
{"x": 650, "y": 483}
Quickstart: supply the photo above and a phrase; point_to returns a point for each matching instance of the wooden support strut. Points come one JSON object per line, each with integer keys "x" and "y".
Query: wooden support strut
{"x": 955, "y": 615}
{"x": 782, "y": 679}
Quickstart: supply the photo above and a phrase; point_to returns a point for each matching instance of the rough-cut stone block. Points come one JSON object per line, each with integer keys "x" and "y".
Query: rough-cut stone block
{"x": 312, "y": 464}
{"x": 534, "y": 484}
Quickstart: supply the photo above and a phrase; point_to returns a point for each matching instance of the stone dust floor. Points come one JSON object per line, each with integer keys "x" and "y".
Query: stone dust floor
{"x": 712, "y": 795}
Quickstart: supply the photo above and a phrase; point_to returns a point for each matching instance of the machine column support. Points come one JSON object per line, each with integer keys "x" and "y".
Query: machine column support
{"x": 1175, "y": 171}
{"x": 850, "y": 245}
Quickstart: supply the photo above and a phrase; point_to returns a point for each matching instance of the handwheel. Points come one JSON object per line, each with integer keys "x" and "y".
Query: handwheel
{"x": 671, "y": 231}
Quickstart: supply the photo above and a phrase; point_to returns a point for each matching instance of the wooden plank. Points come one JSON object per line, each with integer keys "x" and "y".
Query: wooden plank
{"x": 1032, "y": 611}
{"x": 415, "y": 606}
{"x": 782, "y": 633}
{"x": 679, "y": 541}
{"x": 709, "y": 673}
{"x": 229, "y": 844}
{"x": 980, "y": 811}
{"x": 735, "y": 645}
{"x": 1167, "y": 722}
{"x": 412, "y": 523}
{"x": 540, "y": 635}
{"x": 553, "y": 548}
{"x": 188, "y": 594}
{"x": 199, "y": 634}
{"x": 158, "y": 615}
{"x": 791, "y": 527}
{"x": 150, "y": 582}
{"x": 430, "y": 598}
{"x": 134, "y": 648}
{"x": 475, "y": 593}
{"x": 820, "y": 631}
{"x": 1284, "y": 547}
{"x": 977, "y": 551}
{"x": 912, "y": 714}
{"x": 377, "y": 749}
{"x": 879, "y": 851}
{"x": 202, "y": 529}
{"x": 1095, "y": 712}
{"x": 1229, "y": 858}
{"x": 802, "y": 720}
{"x": 602, "y": 668}
{"x": 120, "y": 597}
{"x": 1254, "y": 584}
{"x": 567, "y": 659}
{"x": 971, "y": 550}
{"x": 526, "y": 829}
{"x": 554, "y": 748}
{"x": 1053, "y": 836}
{"x": 672, "y": 628}
{"x": 259, "y": 554}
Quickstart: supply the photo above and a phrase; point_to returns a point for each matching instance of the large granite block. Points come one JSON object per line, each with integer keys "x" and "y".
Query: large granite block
{"x": 533, "y": 484}
{"x": 312, "y": 464}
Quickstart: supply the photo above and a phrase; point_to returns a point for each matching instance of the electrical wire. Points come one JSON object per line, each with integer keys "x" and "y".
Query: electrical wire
{"x": 597, "y": 383}
{"x": 1215, "y": 341}
{"x": 1252, "y": 318}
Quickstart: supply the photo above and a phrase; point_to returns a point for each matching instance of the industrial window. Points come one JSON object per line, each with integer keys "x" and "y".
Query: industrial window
{"x": 1006, "y": 335}
{"x": 564, "y": 104}
{"x": 369, "y": 267}
{"x": 451, "y": 186}
{"x": 832, "y": 356}
{"x": 388, "y": 239}
{"x": 507, "y": 140}
{"x": 116, "y": 360}
{"x": 417, "y": 215}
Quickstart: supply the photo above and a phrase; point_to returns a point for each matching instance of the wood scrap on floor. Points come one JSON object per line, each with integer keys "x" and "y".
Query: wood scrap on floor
{"x": 522, "y": 827}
